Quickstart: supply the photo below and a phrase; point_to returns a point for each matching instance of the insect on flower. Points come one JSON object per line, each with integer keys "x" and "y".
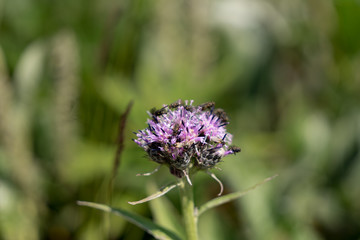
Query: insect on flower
{"x": 186, "y": 137}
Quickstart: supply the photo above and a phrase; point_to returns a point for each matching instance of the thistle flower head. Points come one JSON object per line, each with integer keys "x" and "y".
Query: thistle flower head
{"x": 184, "y": 136}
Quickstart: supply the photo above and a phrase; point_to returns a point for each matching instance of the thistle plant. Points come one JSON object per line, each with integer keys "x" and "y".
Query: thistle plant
{"x": 187, "y": 139}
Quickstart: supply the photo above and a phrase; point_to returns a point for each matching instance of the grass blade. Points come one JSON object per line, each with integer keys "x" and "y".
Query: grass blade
{"x": 120, "y": 148}
{"x": 120, "y": 138}
{"x": 152, "y": 228}
{"x": 230, "y": 197}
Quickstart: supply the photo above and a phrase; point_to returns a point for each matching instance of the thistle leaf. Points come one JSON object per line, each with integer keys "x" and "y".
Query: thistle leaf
{"x": 165, "y": 214}
{"x": 152, "y": 228}
{"x": 230, "y": 197}
{"x": 160, "y": 193}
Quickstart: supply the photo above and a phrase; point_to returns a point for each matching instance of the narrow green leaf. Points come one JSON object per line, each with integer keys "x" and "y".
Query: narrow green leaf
{"x": 229, "y": 197}
{"x": 165, "y": 214}
{"x": 160, "y": 193}
{"x": 152, "y": 228}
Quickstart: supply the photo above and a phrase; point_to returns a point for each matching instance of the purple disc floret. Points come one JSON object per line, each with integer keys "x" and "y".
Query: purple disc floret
{"x": 186, "y": 137}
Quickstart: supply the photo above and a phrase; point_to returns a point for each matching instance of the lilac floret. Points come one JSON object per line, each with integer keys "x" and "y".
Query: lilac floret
{"x": 184, "y": 136}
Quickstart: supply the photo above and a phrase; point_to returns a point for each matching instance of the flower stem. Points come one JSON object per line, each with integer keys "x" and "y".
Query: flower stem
{"x": 188, "y": 209}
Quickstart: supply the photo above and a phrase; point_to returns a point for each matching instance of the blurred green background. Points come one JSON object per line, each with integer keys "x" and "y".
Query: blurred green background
{"x": 287, "y": 72}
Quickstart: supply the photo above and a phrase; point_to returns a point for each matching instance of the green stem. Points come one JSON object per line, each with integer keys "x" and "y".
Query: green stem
{"x": 188, "y": 209}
